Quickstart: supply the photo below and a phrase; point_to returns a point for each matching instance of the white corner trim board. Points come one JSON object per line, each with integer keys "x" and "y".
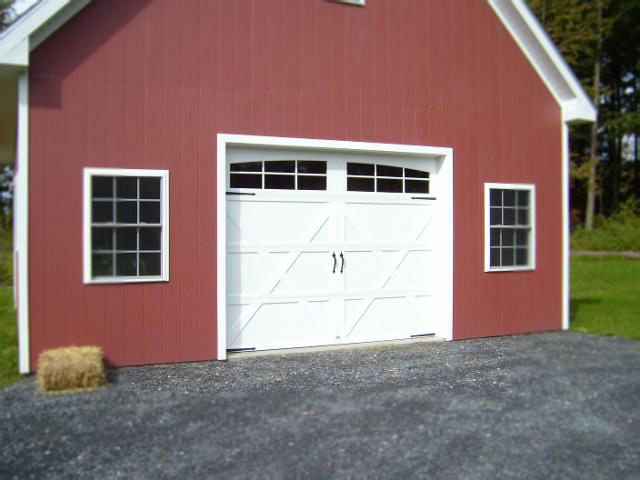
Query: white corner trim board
{"x": 221, "y": 239}
{"x": 21, "y": 219}
{"x": 565, "y": 227}
{"x": 229, "y": 145}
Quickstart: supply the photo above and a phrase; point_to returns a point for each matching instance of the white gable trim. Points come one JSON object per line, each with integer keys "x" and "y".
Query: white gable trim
{"x": 545, "y": 59}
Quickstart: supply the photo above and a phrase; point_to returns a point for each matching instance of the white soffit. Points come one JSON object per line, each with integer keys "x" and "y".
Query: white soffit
{"x": 33, "y": 27}
{"x": 546, "y": 59}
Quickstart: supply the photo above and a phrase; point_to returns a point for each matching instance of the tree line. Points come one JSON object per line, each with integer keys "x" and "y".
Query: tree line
{"x": 600, "y": 39}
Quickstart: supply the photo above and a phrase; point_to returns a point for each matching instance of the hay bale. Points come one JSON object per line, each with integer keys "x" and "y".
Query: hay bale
{"x": 71, "y": 369}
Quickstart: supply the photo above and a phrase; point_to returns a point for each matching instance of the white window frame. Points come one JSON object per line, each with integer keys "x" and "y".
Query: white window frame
{"x": 88, "y": 174}
{"x": 360, "y": 3}
{"x": 487, "y": 226}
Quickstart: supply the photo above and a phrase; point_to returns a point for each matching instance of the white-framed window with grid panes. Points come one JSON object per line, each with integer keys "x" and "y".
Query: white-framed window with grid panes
{"x": 509, "y": 220}
{"x": 125, "y": 225}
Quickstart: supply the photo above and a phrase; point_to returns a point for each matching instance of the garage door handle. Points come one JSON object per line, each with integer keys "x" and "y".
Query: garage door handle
{"x": 335, "y": 261}
{"x": 342, "y": 266}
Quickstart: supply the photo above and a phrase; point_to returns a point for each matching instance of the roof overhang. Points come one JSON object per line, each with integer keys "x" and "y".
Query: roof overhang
{"x": 546, "y": 60}
{"x": 16, "y": 43}
{"x": 32, "y": 28}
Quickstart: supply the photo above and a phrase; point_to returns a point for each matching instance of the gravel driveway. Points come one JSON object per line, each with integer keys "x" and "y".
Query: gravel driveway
{"x": 536, "y": 406}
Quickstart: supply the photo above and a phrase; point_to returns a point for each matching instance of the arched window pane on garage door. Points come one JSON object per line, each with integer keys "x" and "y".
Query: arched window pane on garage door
{"x": 366, "y": 177}
{"x": 279, "y": 175}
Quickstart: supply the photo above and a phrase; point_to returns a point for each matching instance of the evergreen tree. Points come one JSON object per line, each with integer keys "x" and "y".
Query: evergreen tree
{"x": 577, "y": 28}
{"x": 600, "y": 40}
{"x": 619, "y": 103}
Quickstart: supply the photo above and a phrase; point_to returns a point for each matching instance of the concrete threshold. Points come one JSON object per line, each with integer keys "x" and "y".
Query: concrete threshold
{"x": 231, "y": 356}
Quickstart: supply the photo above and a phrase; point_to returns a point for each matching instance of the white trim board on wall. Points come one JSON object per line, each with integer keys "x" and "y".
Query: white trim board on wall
{"x": 21, "y": 226}
{"x": 446, "y": 196}
{"x": 565, "y": 226}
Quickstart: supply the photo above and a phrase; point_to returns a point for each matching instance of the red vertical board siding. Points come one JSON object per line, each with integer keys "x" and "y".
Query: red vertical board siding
{"x": 149, "y": 84}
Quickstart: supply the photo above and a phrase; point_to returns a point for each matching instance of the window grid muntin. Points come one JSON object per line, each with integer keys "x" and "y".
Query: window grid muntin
{"x": 262, "y": 173}
{"x": 114, "y": 226}
{"x": 403, "y": 178}
{"x": 519, "y": 192}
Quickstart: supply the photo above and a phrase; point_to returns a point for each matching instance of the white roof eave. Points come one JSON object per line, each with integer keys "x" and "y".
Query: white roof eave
{"x": 545, "y": 59}
{"x": 32, "y": 28}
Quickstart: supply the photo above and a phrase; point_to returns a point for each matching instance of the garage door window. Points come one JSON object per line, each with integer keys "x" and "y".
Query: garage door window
{"x": 126, "y": 225}
{"x": 366, "y": 177}
{"x": 509, "y": 227}
{"x": 279, "y": 175}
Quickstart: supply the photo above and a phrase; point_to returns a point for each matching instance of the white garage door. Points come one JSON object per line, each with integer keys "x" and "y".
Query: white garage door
{"x": 326, "y": 248}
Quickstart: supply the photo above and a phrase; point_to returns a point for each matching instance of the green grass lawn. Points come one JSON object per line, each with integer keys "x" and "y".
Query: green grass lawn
{"x": 605, "y": 296}
{"x": 8, "y": 339}
{"x": 621, "y": 231}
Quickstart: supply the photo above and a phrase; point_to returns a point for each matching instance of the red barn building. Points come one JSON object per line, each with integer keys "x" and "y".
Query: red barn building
{"x": 201, "y": 176}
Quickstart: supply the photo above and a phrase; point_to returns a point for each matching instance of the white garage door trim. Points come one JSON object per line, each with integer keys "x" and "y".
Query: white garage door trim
{"x": 444, "y": 327}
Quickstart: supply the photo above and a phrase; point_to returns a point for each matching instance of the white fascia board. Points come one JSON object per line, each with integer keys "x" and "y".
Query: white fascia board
{"x": 18, "y": 56}
{"x": 33, "y": 27}
{"x": 578, "y": 111}
{"x": 546, "y": 60}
